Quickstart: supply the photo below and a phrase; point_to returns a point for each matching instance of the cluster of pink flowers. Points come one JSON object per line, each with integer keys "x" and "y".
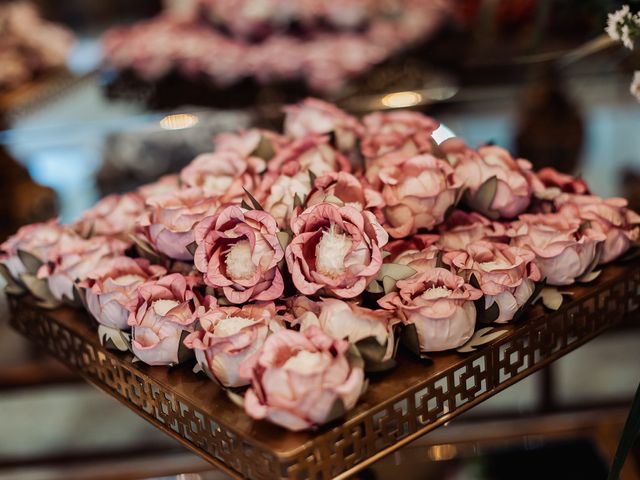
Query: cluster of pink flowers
{"x": 369, "y": 32}
{"x": 29, "y": 45}
{"x": 349, "y": 234}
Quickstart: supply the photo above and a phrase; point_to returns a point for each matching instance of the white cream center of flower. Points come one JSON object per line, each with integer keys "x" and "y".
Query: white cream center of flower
{"x": 497, "y": 264}
{"x": 127, "y": 280}
{"x": 436, "y": 292}
{"x": 161, "y": 307}
{"x": 239, "y": 263}
{"x": 331, "y": 251}
{"x": 306, "y": 362}
{"x": 217, "y": 183}
{"x": 231, "y": 325}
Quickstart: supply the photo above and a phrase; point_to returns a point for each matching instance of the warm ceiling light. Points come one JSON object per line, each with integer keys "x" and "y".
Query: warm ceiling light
{"x": 178, "y": 121}
{"x": 442, "y": 452}
{"x": 401, "y": 99}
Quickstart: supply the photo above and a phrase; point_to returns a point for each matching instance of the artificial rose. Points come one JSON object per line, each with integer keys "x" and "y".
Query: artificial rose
{"x": 565, "y": 248}
{"x": 498, "y": 185}
{"x": 37, "y": 241}
{"x": 239, "y": 252}
{"x": 164, "y": 185}
{"x": 462, "y": 228}
{"x": 439, "y": 304}
{"x": 279, "y": 193}
{"x": 163, "y": 315}
{"x": 335, "y": 249}
{"x": 418, "y": 193}
{"x": 112, "y": 289}
{"x": 562, "y": 182}
{"x": 228, "y": 335}
{"x": 343, "y": 188}
{"x": 313, "y": 116}
{"x": 169, "y": 221}
{"x": 505, "y": 274}
{"x": 223, "y": 174}
{"x": 255, "y": 145}
{"x": 301, "y": 379}
{"x": 114, "y": 215}
{"x": 309, "y": 154}
{"x": 74, "y": 260}
{"x": 400, "y": 134}
{"x": 610, "y": 216}
{"x": 371, "y": 331}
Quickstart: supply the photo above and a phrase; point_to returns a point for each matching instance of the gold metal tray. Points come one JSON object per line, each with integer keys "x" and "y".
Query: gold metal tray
{"x": 399, "y": 406}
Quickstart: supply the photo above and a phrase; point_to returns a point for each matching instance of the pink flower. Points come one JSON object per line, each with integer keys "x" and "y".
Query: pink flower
{"x": 343, "y": 188}
{"x": 228, "y": 335}
{"x": 463, "y": 228}
{"x": 164, "y": 185}
{"x": 609, "y": 216}
{"x": 75, "y": 259}
{"x": 170, "y": 219}
{"x": 309, "y": 154}
{"x": 163, "y": 315}
{"x": 401, "y": 133}
{"x": 417, "y": 252}
{"x": 552, "y": 178}
{"x": 37, "y": 240}
{"x": 114, "y": 215}
{"x": 313, "y": 116}
{"x": 112, "y": 289}
{"x": 418, "y": 193}
{"x": 512, "y": 193}
{"x": 223, "y": 174}
{"x": 301, "y": 379}
{"x": 335, "y": 249}
{"x": 565, "y": 248}
{"x": 505, "y": 274}
{"x": 255, "y": 145}
{"x": 239, "y": 252}
{"x": 440, "y": 306}
{"x": 279, "y": 193}
{"x": 349, "y": 321}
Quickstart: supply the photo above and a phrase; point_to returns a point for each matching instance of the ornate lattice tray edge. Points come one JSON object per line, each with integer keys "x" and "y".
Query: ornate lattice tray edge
{"x": 455, "y": 384}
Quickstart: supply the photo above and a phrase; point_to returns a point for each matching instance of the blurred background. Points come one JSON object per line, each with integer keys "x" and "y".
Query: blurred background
{"x": 99, "y": 97}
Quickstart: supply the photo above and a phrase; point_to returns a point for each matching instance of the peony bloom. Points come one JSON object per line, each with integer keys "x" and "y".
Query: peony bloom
{"x": 343, "y": 188}
{"x": 112, "y": 289}
{"x": 462, "y": 228}
{"x": 561, "y": 182}
{"x": 301, "y": 379}
{"x": 254, "y": 145}
{"x": 164, "y": 185}
{"x": 239, "y": 252}
{"x": 37, "y": 241}
{"x": 609, "y": 216}
{"x": 418, "y": 193}
{"x": 163, "y": 315}
{"x": 75, "y": 259}
{"x": 335, "y": 249}
{"x": 565, "y": 248}
{"x": 223, "y": 174}
{"x": 228, "y": 335}
{"x": 279, "y": 193}
{"x": 309, "y": 154}
{"x": 370, "y": 330}
{"x": 513, "y": 179}
{"x": 505, "y": 274}
{"x": 114, "y": 215}
{"x": 440, "y": 306}
{"x": 401, "y": 133}
{"x": 313, "y": 116}
{"x": 169, "y": 222}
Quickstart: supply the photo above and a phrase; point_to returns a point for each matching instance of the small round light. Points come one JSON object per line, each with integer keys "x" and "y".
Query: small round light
{"x": 401, "y": 99}
{"x": 178, "y": 121}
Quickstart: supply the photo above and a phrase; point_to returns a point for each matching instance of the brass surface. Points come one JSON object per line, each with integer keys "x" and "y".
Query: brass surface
{"x": 398, "y": 407}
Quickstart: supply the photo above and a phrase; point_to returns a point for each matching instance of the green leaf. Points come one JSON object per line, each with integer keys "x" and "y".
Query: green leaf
{"x": 39, "y": 288}
{"x": 284, "y": 238}
{"x": 551, "y": 297}
{"x": 12, "y": 287}
{"x": 629, "y": 435}
{"x": 238, "y": 400}
{"x": 312, "y": 178}
{"x": 264, "y": 149}
{"x": 184, "y": 352}
{"x": 30, "y": 261}
{"x": 114, "y": 339}
{"x": 298, "y": 202}
{"x": 481, "y": 337}
{"x": 483, "y": 198}
{"x": 486, "y": 315}
{"x": 411, "y": 341}
{"x": 245, "y": 205}
{"x": 375, "y": 287}
{"x": 254, "y": 202}
{"x": 589, "y": 277}
{"x": 337, "y": 411}
{"x": 191, "y": 248}
{"x": 396, "y": 271}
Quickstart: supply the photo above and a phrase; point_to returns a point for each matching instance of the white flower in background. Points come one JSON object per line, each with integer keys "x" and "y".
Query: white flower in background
{"x": 625, "y": 37}
{"x": 615, "y": 20}
{"x": 635, "y": 85}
